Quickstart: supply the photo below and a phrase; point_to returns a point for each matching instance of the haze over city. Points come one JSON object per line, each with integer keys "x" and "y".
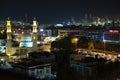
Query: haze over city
{"x": 55, "y": 11}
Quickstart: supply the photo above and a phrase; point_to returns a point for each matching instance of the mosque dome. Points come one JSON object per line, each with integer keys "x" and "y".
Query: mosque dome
{"x": 26, "y": 40}
{"x": 26, "y": 37}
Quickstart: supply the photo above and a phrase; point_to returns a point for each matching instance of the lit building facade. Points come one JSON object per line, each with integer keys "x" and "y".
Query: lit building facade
{"x": 9, "y": 38}
{"x": 34, "y": 37}
{"x": 69, "y": 32}
{"x": 95, "y": 34}
{"x": 112, "y": 36}
{"x": 27, "y": 40}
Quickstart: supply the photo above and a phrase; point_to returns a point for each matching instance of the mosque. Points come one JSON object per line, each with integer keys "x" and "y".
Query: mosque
{"x": 28, "y": 42}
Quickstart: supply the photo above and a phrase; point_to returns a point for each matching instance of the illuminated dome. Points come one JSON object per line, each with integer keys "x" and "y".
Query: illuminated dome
{"x": 26, "y": 40}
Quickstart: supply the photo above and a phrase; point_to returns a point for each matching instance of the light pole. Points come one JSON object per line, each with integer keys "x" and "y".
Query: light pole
{"x": 104, "y": 45}
{"x": 75, "y": 41}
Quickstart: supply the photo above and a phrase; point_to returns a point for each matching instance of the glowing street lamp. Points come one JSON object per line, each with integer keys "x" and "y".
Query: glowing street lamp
{"x": 75, "y": 40}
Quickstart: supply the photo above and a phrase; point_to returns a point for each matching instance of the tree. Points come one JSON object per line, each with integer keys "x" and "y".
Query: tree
{"x": 3, "y": 34}
{"x": 83, "y": 42}
{"x": 90, "y": 44}
{"x": 54, "y": 44}
{"x": 63, "y": 43}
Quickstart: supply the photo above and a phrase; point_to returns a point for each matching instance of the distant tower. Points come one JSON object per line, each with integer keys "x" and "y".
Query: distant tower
{"x": 9, "y": 38}
{"x": 86, "y": 16}
{"x": 73, "y": 21}
{"x": 90, "y": 16}
{"x": 34, "y": 37}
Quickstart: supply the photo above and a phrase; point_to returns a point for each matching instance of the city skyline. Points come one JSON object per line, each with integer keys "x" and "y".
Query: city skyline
{"x": 55, "y": 11}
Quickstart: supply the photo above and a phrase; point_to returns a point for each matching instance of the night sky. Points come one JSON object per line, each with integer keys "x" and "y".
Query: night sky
{"x": 52, "y": 11}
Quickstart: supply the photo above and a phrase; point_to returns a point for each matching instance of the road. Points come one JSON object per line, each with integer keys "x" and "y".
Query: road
{"x": 112, "y": 56}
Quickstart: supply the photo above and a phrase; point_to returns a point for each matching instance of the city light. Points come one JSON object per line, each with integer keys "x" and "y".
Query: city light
{"x": 114, "y": 31}
{"x": 41, "y": 30}
{"x": 74, "y": 40}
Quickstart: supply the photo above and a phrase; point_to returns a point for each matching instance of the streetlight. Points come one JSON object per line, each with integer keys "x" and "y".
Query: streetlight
{"x": 75, "y": 40}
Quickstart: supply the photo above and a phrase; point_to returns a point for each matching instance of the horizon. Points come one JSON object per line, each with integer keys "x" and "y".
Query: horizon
{"x": 53, "y": 11}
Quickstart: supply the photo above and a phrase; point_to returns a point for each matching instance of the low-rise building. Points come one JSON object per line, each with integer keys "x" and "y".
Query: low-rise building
{"x": 87, "y": 66}
{"x": 35, "y": 70}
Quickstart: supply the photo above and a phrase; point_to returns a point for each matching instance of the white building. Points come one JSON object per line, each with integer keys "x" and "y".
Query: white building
{"x": 42, "y": 71}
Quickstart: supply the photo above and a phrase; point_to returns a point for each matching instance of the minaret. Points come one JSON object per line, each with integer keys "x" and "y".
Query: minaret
{"x": 9, "y": 38}
{"x": 34, "y": 37}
